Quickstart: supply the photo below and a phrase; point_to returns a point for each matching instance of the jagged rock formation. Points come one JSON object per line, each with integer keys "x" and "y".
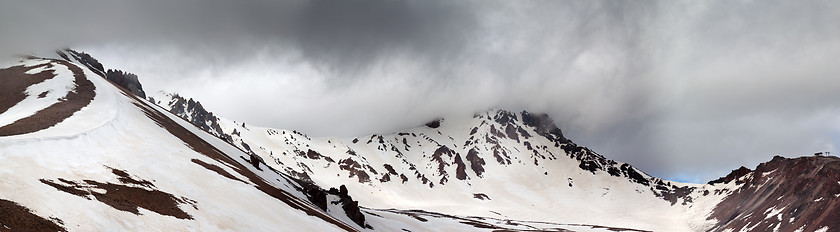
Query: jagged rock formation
{"x": 120, "y": 78}
{"x": 126, "y": 80}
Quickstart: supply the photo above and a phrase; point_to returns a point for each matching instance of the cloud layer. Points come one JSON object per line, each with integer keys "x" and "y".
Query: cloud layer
{"x": 685, "y": 90}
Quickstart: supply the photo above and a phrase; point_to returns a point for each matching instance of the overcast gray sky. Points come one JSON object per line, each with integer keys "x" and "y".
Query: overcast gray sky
{"x": 685, "y": 90}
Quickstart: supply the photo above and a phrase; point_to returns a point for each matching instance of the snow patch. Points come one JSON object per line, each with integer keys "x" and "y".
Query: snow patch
{"x": 773, "y": 212}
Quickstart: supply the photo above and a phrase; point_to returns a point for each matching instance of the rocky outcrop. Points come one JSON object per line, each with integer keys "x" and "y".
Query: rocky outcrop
{"x": 800, "y": 194}
{"x": 434, "y": 124}
{"x": 544, "y": 125}
{"x": 120, "y": 78}
{"x": 351, "y": 207}
{"x": 735, "y": 174}
{"x": 126, "y": 80}
{"x": 192, "y": 111}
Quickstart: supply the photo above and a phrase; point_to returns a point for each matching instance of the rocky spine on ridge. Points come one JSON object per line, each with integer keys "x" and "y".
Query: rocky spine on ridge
{"x": 120, "y": 78}
{"x": 126, "y": 80}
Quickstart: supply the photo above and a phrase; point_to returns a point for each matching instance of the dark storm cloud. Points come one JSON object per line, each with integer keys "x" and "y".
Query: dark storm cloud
{"x": 682, "y": 89}
{"x": 349, "y": 35}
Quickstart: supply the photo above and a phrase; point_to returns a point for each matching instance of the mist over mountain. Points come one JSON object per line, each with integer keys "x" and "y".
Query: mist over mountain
{"x": 652, "y": 83}
{"x": 646, "y": 110}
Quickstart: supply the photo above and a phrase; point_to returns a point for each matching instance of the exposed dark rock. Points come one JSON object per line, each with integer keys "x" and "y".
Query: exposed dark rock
{"x": 481, "y": 196}
{"x": 351, "y": 208}
{"x": 437, "y": 156}
{"x": 354, "y": 169}
{"x": 634, "y": 175}
{"x": 126, "y": 80}
{"x": 544, "y": 125}
{"x": 313, "y": 154}
{"x": 495, "y": 132}
{"x": 195, "y": 113}
{"x": 677, "y": 193}
{"x": 87, "y": 60}
{"x": 434, "y": 124}
{"x": 63, "y": 55}
{"x": 476, "y": 162}
{"x": 735, "y": 174}
{"x": 613, "y": 171}
{"x": 510, "y": 131}
{"x": 120, "y": 78}
{"x": 523, "y": 132}
{"x": 315, "y": 194}
{"x": 127, "y": 197}
{"x": 460, "y": 168}
{"x": 504, "y": 117}
{"x": 255, "y": 161}
{"x": 125, "y": 178}
{"x": 14, "y": 217}
{"x": 390, "y": 169}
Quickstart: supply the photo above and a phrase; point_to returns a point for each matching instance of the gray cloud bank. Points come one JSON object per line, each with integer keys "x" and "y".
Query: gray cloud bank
{"x": 686, "y": 90}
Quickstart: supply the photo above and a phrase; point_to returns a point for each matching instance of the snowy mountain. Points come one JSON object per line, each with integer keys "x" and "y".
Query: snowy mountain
{"x": 80, "y": 154}
{"x": 83, "y": 150}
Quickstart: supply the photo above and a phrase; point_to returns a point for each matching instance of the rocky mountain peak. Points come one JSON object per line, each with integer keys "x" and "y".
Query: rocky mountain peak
{"x": 120, "y": 78}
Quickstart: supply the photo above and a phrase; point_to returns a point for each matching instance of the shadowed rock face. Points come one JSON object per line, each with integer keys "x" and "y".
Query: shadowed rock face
{"x": 801, "y": 193}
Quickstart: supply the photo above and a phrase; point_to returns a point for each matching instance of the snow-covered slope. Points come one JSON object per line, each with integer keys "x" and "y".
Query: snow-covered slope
{"x": 502, "y": 165}
{"x": 495, "y": 164}
{"x": 115, "y": 163}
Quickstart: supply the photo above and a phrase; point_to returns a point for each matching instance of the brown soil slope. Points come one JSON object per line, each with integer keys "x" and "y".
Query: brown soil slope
{"x": 18, "y": 81}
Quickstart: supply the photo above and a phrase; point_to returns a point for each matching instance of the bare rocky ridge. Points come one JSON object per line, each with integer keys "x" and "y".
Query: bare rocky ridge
{"x": 783, "y": 195}
{"x": 121, "y": 78}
